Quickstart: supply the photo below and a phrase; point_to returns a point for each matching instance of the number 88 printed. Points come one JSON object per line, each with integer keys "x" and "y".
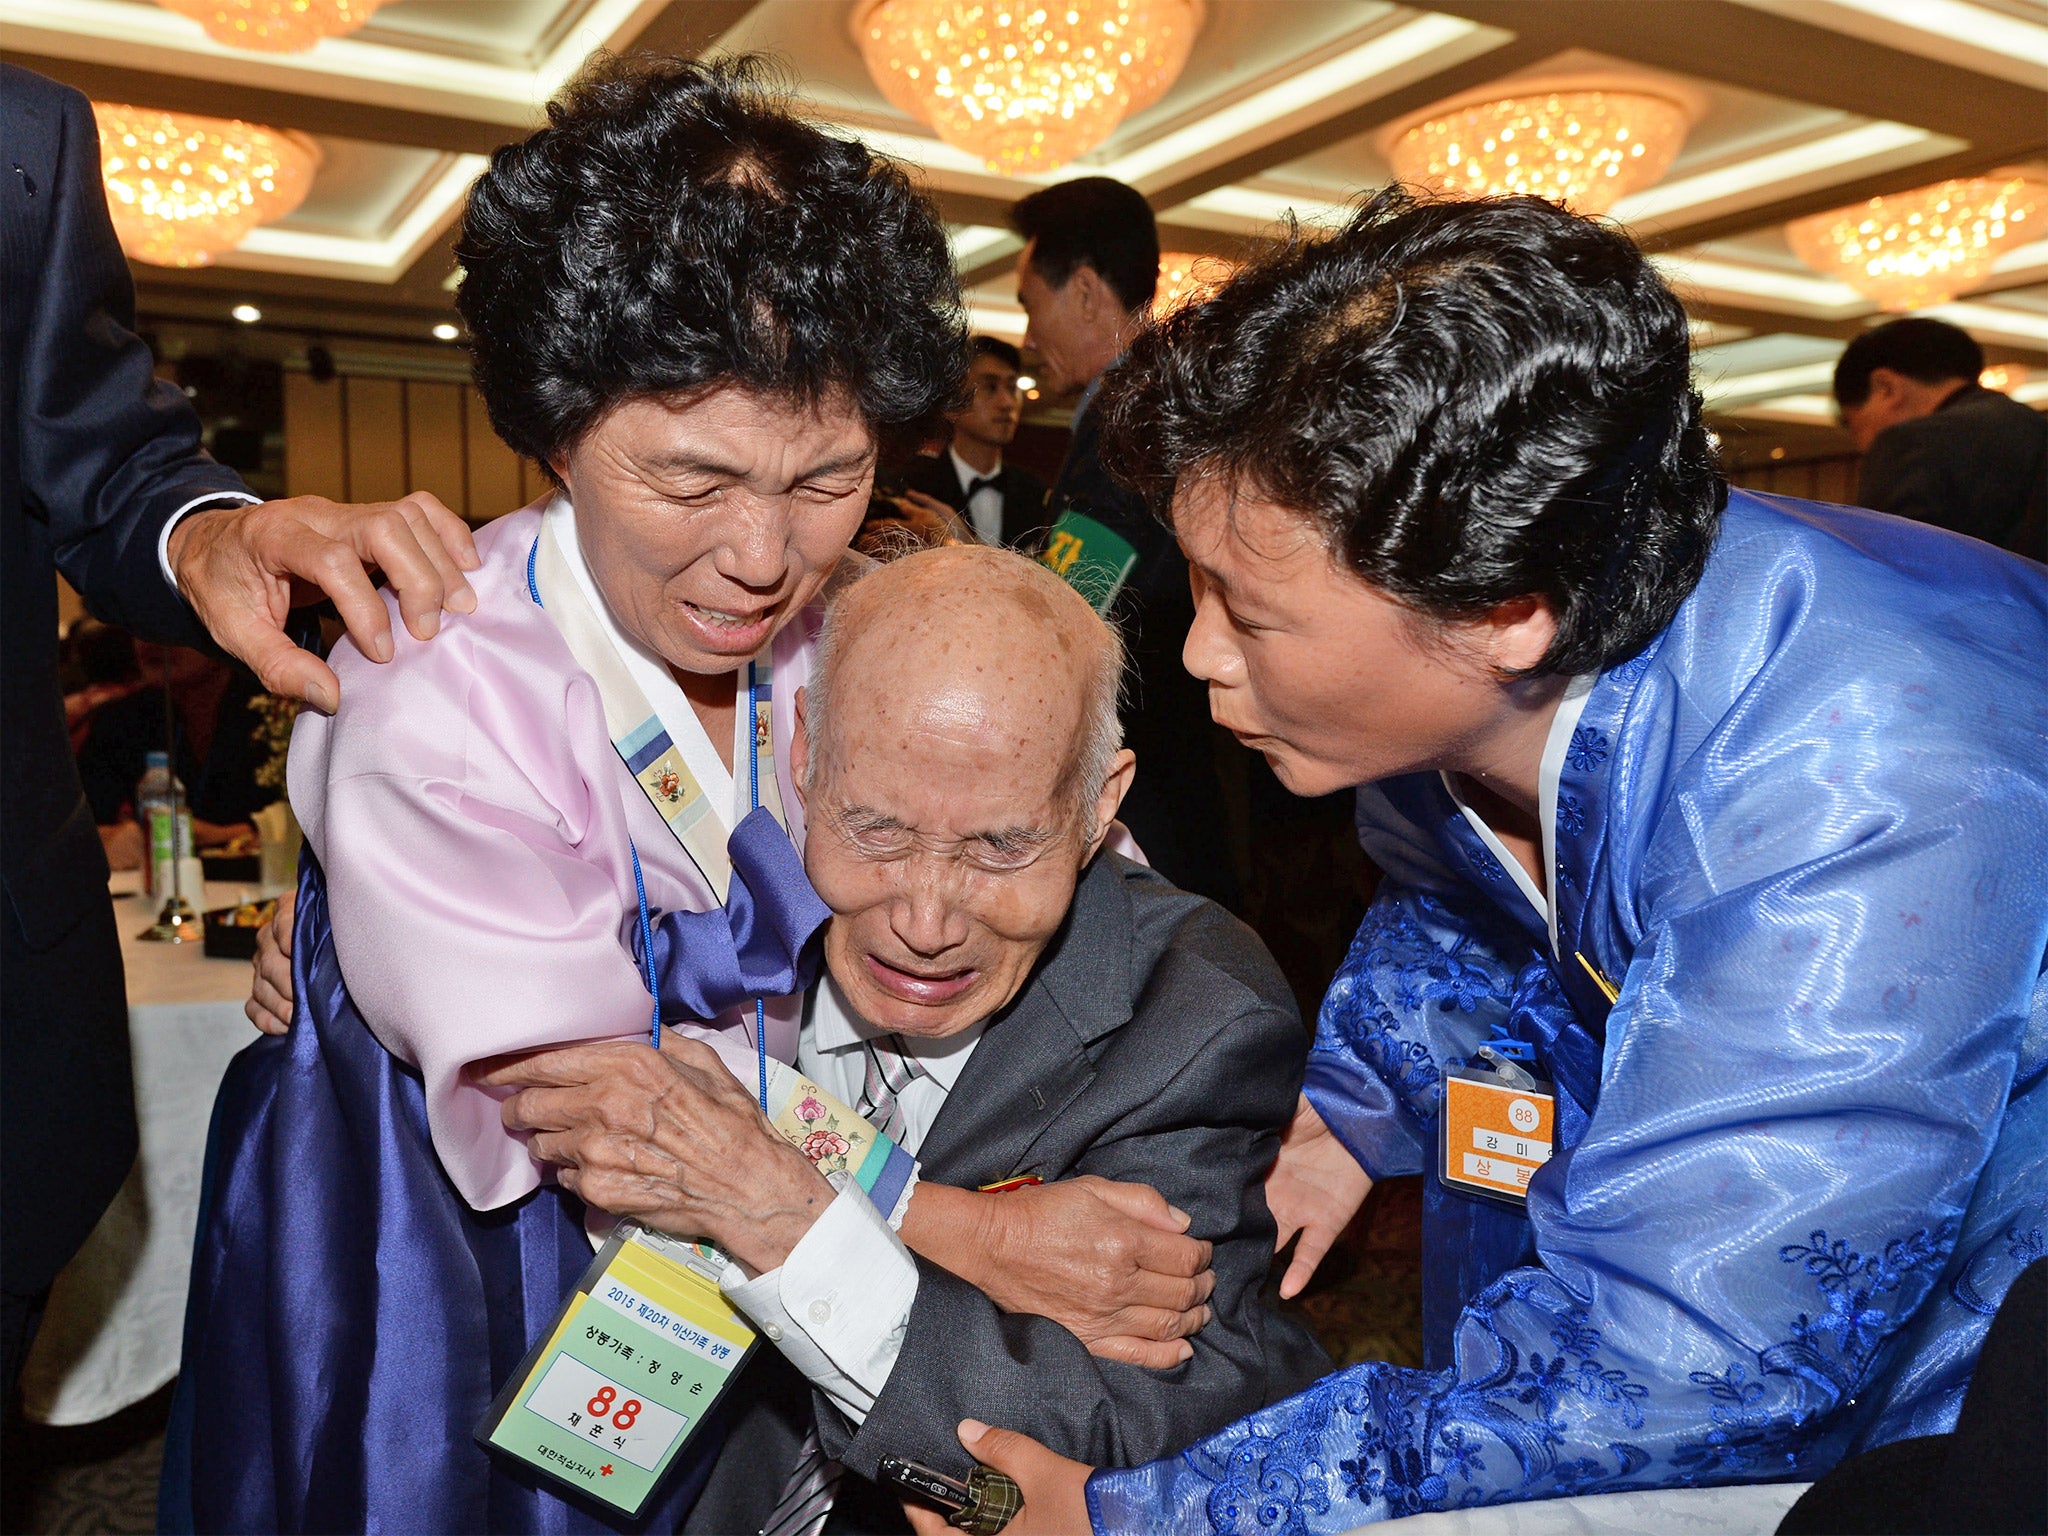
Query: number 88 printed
{"x": 601, "y": 1404}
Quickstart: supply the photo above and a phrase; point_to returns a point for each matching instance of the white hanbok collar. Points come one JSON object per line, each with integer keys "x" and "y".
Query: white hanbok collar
{"x": 663, "y": 692}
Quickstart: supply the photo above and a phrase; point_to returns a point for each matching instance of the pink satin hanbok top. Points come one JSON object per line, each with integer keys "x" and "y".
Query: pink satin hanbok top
{"x": 473, "y": 820}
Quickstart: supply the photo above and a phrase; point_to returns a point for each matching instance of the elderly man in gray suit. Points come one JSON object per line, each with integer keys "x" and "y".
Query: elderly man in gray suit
{"x": 1009, "y": 1000}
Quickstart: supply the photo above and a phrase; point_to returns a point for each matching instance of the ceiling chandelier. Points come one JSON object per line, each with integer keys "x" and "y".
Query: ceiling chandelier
{"x": 274, "y": 26}
{"x": 1188, "y": 279}
{"x": 182, "y": 189}
{"x": 1911, "y": 249}
{"x": 1025, "y": 84}
{"x": 1586, "y": 148}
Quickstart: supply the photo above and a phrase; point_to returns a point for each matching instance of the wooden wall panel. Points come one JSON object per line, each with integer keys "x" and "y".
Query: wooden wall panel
{"x": 1830, "y": 479}
{"x": 376, "y": 440}
{"x": 433, "y": 442}
{"x": 494, "y": 487}
{"x": 315, "y": 438}
{"x": 366, "y": 438}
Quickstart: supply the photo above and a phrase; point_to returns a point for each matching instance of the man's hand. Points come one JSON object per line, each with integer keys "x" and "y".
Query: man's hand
{"x": 1054, "y": 1488}
{"x": 1109, "y": 1262}
{"x": 243, "y": 568}
{"x": 270, "y": 993}
{"x": 1314, "y": 1187}
{"x": 669, "y": 1137}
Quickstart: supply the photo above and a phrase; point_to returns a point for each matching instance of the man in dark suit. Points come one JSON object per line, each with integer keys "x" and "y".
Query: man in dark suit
{"x": 1009, "y": 1000}
{"x": 1086, "y": 280}
{"x": 1001, "y": 503}
{"x": 1937, "y": 446}
{"x": 102, "y": 477}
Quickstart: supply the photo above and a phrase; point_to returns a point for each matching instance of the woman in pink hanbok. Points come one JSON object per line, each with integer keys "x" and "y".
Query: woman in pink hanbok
{"x": 702, "y": 316}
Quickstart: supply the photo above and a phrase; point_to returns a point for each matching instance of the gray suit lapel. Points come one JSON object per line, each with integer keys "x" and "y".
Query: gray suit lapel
{"x": 1033, "y": 1061}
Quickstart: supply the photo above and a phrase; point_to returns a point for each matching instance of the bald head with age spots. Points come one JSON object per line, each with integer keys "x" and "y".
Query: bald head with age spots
{"x": 961, "y": 763}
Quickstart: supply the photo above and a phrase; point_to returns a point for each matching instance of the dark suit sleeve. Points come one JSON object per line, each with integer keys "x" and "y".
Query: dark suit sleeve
{"x": 1204, "y": 1141}
{"x": 108, "y": 453}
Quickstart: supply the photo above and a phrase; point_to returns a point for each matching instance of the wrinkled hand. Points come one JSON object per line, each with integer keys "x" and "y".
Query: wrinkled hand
{"x": 668, "y": 1137}
{"x": 1109, "y": 1262}
{"x": 243, "y": 568}
{"x": 270, "y": 993}
{"x": 1055, "y": 1488}
{"x": 1314, "y": 1187}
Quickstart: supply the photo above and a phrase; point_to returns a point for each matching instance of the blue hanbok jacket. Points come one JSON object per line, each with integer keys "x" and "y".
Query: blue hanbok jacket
{"x": 1802, "y": 1153}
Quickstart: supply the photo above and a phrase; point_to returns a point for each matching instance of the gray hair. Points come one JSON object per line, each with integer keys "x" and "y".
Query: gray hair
{"x": 1101, "y": 735}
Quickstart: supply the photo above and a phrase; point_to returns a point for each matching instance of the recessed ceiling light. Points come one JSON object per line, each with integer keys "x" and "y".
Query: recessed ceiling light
{"x": 446, "y": 332}
{"x": 248, "y": 314}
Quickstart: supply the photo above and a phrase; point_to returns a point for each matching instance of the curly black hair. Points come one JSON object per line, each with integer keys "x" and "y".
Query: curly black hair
{"x": 1472, "y": 401}
{"x": 677, "y": 226}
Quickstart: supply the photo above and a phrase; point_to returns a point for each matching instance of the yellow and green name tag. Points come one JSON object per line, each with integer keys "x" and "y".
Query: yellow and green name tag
{"x": 1095, "y": 562}
{"x": 606, "y": 1401}
{"x": 646, "y": 1342}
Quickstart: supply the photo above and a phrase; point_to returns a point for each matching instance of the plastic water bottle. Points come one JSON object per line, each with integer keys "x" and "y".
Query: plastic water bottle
{"x": 167, "y": 840}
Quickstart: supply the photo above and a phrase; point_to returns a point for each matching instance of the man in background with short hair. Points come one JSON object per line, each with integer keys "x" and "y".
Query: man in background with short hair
{"x": 1003, "y": 503}
{"x": 1937, "y": 446}
{"x": 1086, "y": 280}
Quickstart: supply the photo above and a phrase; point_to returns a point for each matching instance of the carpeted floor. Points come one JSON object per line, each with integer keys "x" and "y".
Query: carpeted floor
{"x": 96, "y": 1480}
{"x": 100, "y": 1480}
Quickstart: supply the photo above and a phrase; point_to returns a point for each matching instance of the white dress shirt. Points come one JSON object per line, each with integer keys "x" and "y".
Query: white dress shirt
{"x": 839, "y": 1306}
{"x": 984, "y": 508}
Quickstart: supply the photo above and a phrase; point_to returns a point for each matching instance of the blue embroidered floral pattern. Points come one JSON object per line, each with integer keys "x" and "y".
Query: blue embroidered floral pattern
{"x": 1410, "y": 964}
{"x": 1981, "y": 1282}
{"x": 1537, "y": 1409}
{"x": 1571, "y": 814}
{"x": 1586, "y": 750}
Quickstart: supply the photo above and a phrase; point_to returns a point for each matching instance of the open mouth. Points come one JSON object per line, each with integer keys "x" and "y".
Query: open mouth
{"x": 730, "y": 632}
{"x": 920, "y": 986}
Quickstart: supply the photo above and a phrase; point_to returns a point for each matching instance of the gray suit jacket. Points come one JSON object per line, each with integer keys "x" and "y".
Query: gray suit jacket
{"x": 1156, "y": 1043}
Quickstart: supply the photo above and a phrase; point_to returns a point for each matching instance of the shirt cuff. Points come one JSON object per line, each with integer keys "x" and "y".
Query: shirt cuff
{"x": 839, "y": 1306}
{"x": 210, "y": 499}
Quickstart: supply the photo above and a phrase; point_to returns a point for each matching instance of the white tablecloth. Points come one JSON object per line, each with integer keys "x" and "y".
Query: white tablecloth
{"x": 116, "y": 1317}
{"x": 1754, "y": 1510}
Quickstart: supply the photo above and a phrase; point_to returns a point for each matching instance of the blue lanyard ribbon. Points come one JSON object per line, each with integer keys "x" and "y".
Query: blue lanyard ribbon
{"x": 759, "y": 942}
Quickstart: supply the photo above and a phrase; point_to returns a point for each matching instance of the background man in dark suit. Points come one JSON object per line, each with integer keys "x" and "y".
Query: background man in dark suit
{"x": 1086, "y": 281}
{"x": 1007, "y": 999}
{"x": 1001, "y": 503}
{"x": 1937, "y": 446}
{"x": 102, "y": 477}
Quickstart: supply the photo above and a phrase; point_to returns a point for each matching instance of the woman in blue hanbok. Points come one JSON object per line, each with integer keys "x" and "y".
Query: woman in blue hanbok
{"x": 1719, "y": 819}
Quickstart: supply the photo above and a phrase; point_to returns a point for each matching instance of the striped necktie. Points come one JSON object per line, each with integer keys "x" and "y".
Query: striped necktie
{"x": 814, "y": 1482}
{"x": 890, "y": 1069}
{"x": 808, "y": 1494}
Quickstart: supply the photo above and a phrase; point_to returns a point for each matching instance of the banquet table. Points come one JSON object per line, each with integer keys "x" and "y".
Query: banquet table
{"x": 111, "y": 1333}
{"x": 1744, "y": 1510}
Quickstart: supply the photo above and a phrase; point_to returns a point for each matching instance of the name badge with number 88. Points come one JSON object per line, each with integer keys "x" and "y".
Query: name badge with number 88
{"x": 1496, "y": 1134}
